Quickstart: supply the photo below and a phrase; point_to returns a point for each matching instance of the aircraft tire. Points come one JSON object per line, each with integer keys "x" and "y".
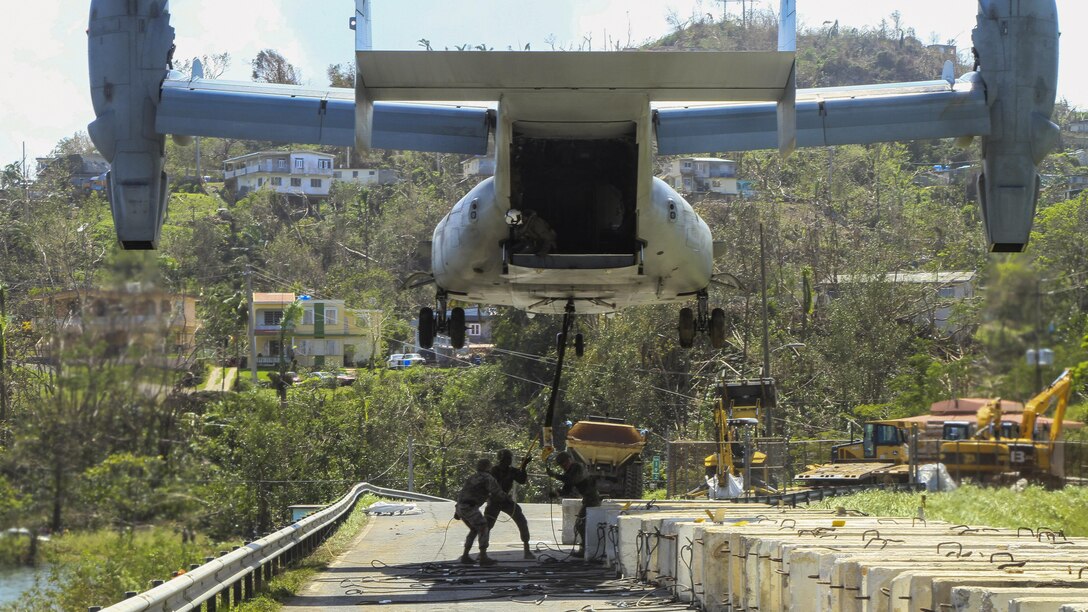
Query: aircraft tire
{"x": 717, "y": 328}
{"x": 426, "y": 327}
{"x": 457, "y": 328}
{"x": 579, "y": 345}
{"x": 687, "y": 328}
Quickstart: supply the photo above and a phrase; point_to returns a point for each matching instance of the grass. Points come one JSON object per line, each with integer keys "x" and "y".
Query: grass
{"x": 289, "y": 583}
{"x": 97, "y": 567}
{"x": 1033, "y": 507}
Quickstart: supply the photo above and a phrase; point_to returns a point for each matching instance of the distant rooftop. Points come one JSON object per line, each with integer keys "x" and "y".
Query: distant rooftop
{"x": 925, "y": 278}
{"x": 282, "y": 298}
{"x": 278, "y": 153}
{"x": 709, "y": 159}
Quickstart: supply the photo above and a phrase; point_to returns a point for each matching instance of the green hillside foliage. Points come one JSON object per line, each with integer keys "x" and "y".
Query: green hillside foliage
{"x": 91, "y": 439}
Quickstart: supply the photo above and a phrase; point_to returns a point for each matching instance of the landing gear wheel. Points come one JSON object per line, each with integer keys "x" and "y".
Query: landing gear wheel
{"x": 717, "y": 328}
{"x": 560, "y": 341}
{"x": 579, "y": 345}
{"x": 457, "y": 328}
{"x": 632, "y": 481}
{"x": 687, "y": 327}
{"x": 426, "y": 327}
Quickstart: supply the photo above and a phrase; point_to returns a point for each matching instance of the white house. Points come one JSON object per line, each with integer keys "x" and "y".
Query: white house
{"x": 300, "y": 173}
{"x": 703, "y": 175}
{"x": 945, "y": 290}
{"x": 365, "y": 176}
{"x": 478, "y": 166}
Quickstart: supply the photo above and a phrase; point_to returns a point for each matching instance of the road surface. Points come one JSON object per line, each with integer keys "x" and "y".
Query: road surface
{"x": 410, "y": 562}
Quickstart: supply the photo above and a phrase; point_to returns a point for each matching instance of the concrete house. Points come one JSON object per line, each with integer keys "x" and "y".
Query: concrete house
{"x": 328, "y": 334}
{"x": 945, "y": 289}
{"x": 87, "y": 170}
{"x": 155, "y": 321}
{"x": 703, "y": 175}
{"x": 478, "y": 166}
{"x": 365, "y": 176}
{"x": 301, "y": 173}
{"x": 297, "y": 173}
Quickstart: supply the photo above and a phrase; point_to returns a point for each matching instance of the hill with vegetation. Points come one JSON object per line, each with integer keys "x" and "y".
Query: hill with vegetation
{"x": 84, "y": 444}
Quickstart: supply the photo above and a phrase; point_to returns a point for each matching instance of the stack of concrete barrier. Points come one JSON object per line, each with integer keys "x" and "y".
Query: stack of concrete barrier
{"x": 728, "y": 556}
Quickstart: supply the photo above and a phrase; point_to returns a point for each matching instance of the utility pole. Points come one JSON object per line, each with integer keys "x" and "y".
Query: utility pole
{"x": 3, "y": 361}
{"x": 252, "y": 325}
{"x": 1038, "y": 335}
{"x": 411, "y": 464}
{"x": 768, "y": 427}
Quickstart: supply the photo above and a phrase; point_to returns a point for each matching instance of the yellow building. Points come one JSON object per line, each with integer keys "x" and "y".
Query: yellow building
{"x": 327, "y": 335}
{"x": 153, "y": 320}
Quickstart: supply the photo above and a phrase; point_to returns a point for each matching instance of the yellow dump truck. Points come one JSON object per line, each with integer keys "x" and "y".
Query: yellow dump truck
{"x": 612, "y": 450}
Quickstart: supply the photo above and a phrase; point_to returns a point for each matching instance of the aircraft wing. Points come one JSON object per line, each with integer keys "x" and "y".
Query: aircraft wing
{"x": 1008, "y": 102}
{"x": 832, "y": 116}
{"x": 457, "y": 75}
{"x": 289, "y": 113}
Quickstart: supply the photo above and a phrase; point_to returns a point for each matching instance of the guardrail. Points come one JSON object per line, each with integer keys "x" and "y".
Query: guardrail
{"x": 240, "y": 574}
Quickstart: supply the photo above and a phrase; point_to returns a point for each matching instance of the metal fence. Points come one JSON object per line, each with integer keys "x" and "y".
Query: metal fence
{"x": 239, "y": 575}
{"x": 786, "y": 458}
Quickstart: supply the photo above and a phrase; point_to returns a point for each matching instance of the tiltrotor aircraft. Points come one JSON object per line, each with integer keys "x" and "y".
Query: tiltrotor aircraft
{"x": 573, "y": 137}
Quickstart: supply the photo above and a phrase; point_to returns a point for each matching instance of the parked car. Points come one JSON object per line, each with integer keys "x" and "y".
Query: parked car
{"x": 345, "y": 378}
{"x": 399, "y": 361}
{"x": 319, "y": 379}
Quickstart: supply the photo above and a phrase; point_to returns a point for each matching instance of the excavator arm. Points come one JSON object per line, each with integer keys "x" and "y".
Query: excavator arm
{"x": 989, "y": 419}
{"x": 1058, "y": 389}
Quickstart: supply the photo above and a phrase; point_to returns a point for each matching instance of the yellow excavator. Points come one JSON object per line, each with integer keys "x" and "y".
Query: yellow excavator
{"x": 737, "y": 414}
{"x": 1000, "y": 448}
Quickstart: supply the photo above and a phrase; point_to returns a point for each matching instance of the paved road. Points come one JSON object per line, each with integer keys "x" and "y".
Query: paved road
{"x": 410, "y": 563}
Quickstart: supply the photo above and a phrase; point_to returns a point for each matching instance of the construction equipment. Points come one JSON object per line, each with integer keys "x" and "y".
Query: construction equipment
{"x": 997, "y": 450}
{"x": 737, "y": 414}
{"x": 612, "y": 450}
{"x": 881, "y": 456}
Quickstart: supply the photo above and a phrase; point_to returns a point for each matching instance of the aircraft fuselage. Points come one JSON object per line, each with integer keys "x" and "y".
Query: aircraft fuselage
{"x": 584, "y": 165}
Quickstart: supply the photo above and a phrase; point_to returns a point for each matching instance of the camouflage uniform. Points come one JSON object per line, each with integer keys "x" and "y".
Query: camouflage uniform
{"x": 478, "y": 488}
{"x": 534, "y": 235}
{"x": 577, "y": 479}
{"x": 507, "y": 475}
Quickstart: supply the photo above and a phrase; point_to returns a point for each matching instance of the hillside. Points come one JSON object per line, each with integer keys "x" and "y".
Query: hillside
{"x": 84, "y": 444}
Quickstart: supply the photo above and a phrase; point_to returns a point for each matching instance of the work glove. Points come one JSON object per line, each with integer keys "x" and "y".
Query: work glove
{"x": 456, "y": 515}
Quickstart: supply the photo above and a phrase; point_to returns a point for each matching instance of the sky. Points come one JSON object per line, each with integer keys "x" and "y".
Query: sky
{"x": 43, "y": 66}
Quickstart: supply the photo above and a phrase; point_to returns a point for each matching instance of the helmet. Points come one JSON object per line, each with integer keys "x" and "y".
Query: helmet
{"x": 505, "y": 456}
{"x": 513, "y": 217}
{"x": 483, "y": 465}
{"x": 563, "y": 458}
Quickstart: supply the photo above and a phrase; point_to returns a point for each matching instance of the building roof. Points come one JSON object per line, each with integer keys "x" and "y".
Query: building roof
{"x": 274, "y": 298}
{"x": 938, "y": 420}
{"x": 89, "y": 293}
{"x": 278, "y": 153}
{"x": 932, "y": 278}
{"x": 709, "y": 159}
{"x": 970, "y": 405}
